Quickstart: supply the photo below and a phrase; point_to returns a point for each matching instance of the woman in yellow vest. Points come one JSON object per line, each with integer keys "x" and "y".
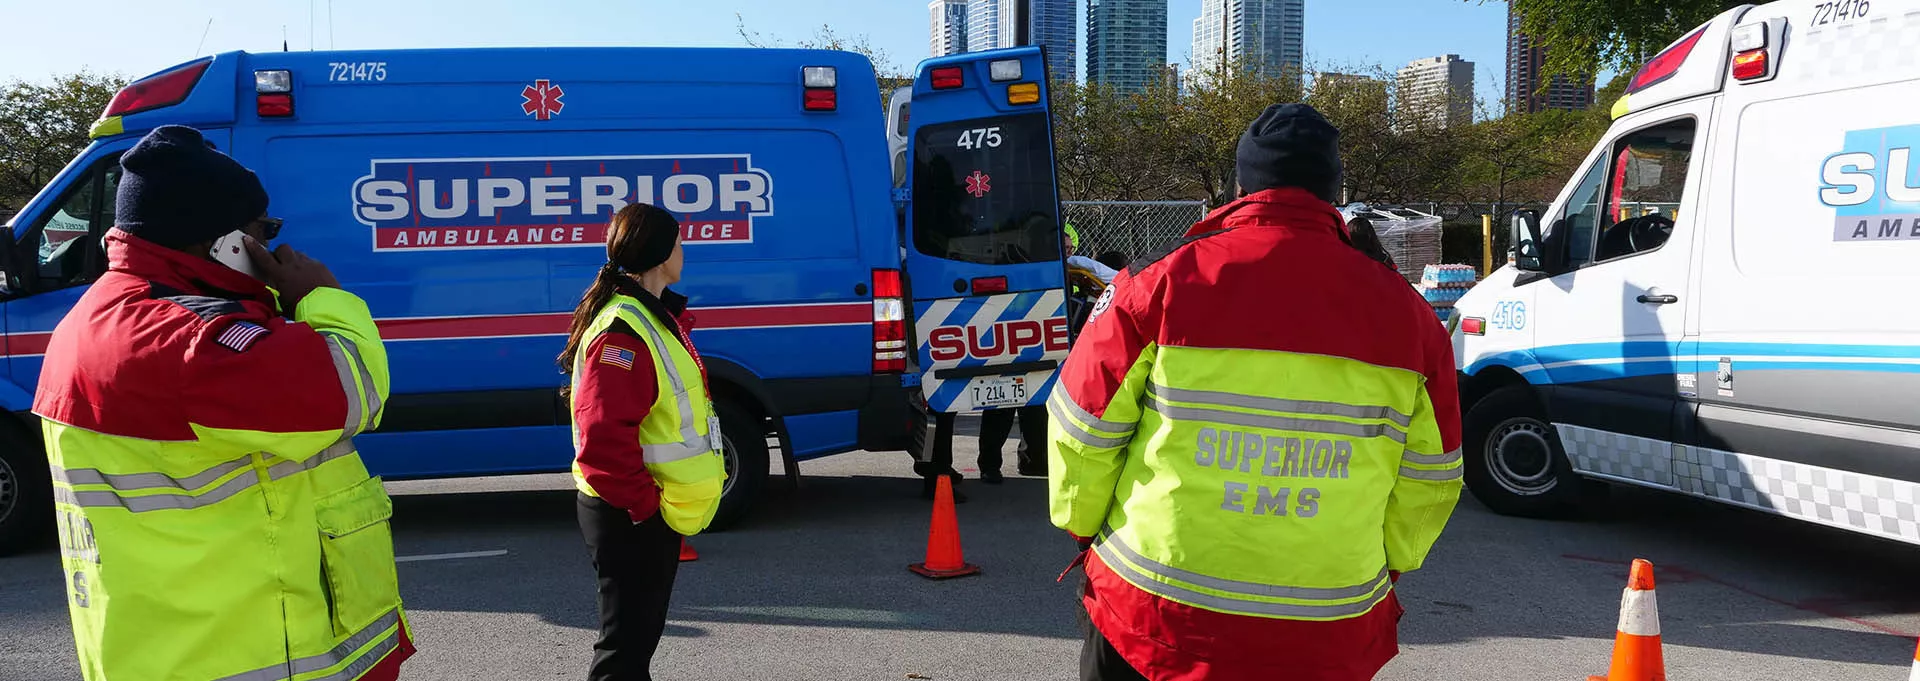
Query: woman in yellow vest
{"x": 647, "y": 458}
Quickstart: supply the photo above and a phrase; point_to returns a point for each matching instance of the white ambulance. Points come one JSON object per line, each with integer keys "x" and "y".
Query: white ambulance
{"x": 1725, "y": 300}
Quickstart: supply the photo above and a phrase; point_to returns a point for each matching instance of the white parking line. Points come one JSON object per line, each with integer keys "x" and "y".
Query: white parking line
{"x": 451, "y": 556}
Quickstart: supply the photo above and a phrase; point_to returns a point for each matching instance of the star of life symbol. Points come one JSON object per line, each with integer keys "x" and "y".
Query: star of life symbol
{"x": 542, "y": 99}
{"x": 978, "y": 184}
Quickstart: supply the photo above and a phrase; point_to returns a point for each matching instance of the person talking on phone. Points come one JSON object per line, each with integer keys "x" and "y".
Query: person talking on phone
{"x": 647, "y": 448}
{"x": 199, "y": 423}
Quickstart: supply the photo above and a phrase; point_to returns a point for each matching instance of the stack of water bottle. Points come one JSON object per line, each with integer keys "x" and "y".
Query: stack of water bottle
{"x": 1443, "y": 285}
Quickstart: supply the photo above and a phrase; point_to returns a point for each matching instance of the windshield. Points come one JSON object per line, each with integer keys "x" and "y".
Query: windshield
{"x": 983, "y": 191}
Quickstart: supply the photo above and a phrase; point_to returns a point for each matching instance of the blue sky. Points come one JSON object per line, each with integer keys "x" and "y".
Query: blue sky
{"x": 136, "y": 37}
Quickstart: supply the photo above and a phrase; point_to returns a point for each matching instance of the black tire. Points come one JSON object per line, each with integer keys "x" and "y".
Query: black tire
{"x": 26, "y": 491}
{"x": 1514, "y": 462}
{"x": 746, "y": 454}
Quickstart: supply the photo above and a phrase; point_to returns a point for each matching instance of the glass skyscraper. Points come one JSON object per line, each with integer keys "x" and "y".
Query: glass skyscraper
{"x": 1051, "y": 24}
{"x": 1262, "y": 35}
{"x": 1126, "y": 43}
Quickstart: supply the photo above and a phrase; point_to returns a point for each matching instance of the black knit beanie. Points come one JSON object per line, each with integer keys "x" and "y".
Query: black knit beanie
{"x": 177, "y": 191}
{"x": 1290, "y": 145}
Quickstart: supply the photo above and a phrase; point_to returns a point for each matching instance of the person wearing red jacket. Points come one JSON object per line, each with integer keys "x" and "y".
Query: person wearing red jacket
{"x": 1256, "y": 433}
{"x": 647, "y": 455}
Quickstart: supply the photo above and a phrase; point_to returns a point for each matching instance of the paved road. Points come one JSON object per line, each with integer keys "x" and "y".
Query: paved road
{"x": 815, "y": 587}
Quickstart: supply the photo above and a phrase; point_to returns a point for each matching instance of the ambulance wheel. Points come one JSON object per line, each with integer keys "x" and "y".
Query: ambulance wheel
{"x": 26, "y": 491}
{"x": 1514, "y": 462}
{"x": 745, "y": 436}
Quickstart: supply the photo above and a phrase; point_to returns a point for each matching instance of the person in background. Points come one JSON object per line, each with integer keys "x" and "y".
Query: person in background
{"x": 1367, "y": 241}
{"x": 647, "y": 449}
{"x": 1099, "y": 269}
{"x": 1113, "y": 259}
{"x": 1254, "y": 525}
{"x": 216, "y": 521}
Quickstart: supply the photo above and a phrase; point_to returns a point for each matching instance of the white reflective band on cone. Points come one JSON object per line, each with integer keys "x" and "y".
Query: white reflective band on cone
{"x": 1639, "y": 613}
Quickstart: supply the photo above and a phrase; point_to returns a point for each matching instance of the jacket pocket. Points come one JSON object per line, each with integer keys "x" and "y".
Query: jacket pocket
{"x": 356, "y": 555}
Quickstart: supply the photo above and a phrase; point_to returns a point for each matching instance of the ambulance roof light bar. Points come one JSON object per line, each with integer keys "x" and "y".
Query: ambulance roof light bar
{"x": 1003, "y": 70}
{"x": 1756, "y": 48}
{"x": 160, "y": 90}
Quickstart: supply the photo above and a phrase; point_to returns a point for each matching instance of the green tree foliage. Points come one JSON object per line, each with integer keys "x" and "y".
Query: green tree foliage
{"x": 42, "y": 127}
{"x": 888, "y": 72}
{"x": 1585, "y": 37}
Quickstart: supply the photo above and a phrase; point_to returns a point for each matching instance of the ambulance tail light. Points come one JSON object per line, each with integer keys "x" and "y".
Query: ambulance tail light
{"x": 161, "y": 90}
{"x": 821, "y": 88}
{"x": 1664, "y": 65}
{"x": 889, "y": 323}
{"x": 1750, "y": 65}
{"x": 1754, "y": 50}
{"x": 949, "y": 78}
{"x": 989, "y": 285}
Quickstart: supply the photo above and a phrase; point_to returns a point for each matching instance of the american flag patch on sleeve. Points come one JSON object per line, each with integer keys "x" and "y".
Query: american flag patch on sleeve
{"x": 617, "y": 356}
{"x": 240, "y": 335}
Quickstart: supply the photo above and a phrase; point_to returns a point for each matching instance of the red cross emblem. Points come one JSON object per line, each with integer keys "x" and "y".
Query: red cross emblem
{"x": 542, "y": 99}
{"x": 978, "y": 184}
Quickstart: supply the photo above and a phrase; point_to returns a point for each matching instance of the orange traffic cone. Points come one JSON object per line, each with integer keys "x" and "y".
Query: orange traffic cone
{"x": 1636, "y": 641}
{"x": 944, "y": 558}
{"x": 1915, "y": 674}
{"x": 687, "y": 553}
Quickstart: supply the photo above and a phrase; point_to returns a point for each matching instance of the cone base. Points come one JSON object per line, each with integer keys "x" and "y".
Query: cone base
{"x": 934, "y": 573}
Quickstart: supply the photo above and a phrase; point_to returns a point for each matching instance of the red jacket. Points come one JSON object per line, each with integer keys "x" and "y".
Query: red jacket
{"x": 611, "y": 401}
{"x": 1272, "y": 271}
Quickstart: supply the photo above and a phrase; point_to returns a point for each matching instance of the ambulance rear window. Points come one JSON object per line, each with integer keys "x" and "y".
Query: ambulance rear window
{"x": 983, "y": 191}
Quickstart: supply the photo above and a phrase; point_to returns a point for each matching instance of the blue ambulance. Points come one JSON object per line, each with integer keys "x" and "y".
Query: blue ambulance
{"x": 465, "y": 194}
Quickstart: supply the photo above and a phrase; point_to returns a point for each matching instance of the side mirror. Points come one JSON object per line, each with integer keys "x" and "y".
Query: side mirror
{"x": 1526, "y": 241}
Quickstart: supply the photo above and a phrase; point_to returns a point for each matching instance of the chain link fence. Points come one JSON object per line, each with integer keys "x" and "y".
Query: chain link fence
{"x": 1130, "y": 228}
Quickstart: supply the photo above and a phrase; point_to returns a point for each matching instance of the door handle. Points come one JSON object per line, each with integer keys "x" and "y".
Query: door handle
{"x": 1661, "y": 299}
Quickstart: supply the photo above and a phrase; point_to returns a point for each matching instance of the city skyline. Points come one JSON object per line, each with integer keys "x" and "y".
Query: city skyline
{"x": 1266, "y": 36}
{"x": 1052, "y": 24}
{"x": 1524, "y": 91}
{"x": 1126, "y": 43}
{"x": 947, "y": 28}
{"x": 1436, "y": 92}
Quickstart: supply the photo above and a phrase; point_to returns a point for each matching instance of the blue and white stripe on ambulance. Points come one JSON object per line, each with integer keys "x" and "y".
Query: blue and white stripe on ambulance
{"x": 988, "y": 331}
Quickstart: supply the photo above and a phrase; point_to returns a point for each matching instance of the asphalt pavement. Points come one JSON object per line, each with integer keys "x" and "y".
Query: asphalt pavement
{"x": 815, "y": 586}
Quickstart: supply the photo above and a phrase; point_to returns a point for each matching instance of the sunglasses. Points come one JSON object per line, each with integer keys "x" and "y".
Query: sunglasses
{"x": 269, "y": 228}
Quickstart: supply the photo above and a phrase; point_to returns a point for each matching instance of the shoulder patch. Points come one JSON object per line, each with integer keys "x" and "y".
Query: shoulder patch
{"x": 1101, "y": 305}
{"x": 241, "y": 335}
{"x": 208, "y": 308}
{"x": 1152, "y": 257}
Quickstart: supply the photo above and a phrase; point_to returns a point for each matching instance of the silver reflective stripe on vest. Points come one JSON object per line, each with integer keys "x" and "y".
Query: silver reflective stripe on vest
{"x": 1447, "y": 459}
{"x": 669, "y": 452}
{"x": 1090, "y": 430}
{"x": 1143, "y": 572}
{"x": 1287, "y": 423}
{"x": 127, "y": 482}
{"x": 363, "y": 397}
{"x": 290, "y": 467}
{"x": 179, "y": 498}
{"x": 688, "y": 434}
{"x": 1412, "y": 473}
{"x": 340, "y": 653}
{"x": 1313, "y": 407}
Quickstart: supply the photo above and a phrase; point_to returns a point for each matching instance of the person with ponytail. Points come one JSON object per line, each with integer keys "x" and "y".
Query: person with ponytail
{"x": 647, "y": 450}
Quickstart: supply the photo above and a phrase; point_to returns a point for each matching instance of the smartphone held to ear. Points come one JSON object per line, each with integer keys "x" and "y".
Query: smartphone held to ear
{"x": 231, "y": 250}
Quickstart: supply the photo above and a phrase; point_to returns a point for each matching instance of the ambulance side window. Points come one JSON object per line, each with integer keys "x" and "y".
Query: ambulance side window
{"x": 1645, "y": 188}
{"x": 1577, "y": 225}
{"x": 66, "y": 243}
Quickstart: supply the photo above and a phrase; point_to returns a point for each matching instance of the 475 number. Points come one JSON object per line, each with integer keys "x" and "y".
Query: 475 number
{"x": 980, "y": 138}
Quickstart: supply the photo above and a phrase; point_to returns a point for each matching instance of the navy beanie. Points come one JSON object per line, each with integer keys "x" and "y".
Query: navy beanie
{"x": 177, "y": 191}
{"x": 1290, "y": 145}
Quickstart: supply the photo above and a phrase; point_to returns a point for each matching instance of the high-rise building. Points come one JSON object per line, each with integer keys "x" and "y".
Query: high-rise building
{"x": 1524, "y": 62}
{"x": 1267, "y": 36}
{"x": 1051, "y": 24}
{"x": 1126, "y": 43}
{"x": 1436, "y": 92}
{"x": 948, "y": 32}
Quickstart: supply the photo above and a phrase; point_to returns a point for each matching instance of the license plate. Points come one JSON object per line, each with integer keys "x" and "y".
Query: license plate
{"x": 999, "y": 391}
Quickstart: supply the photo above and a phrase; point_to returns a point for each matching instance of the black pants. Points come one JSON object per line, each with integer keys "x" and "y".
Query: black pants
{"x": 994, "y": 426}
{"x": 636, "y": 565}
{"x": 1100, "y": 662}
